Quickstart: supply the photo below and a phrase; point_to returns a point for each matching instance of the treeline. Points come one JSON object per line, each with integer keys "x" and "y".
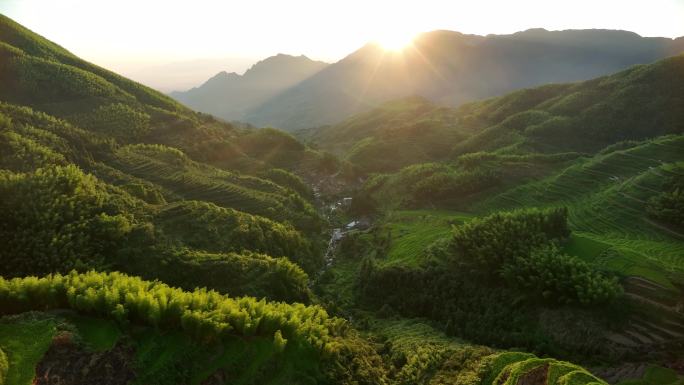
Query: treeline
{"x": 205, "y": 315}
{"x": 519, "y": 246}
{"x": 490, "y": 242}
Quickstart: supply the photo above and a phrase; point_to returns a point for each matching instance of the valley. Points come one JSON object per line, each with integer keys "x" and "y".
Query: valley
{"x": 519, "y": 236}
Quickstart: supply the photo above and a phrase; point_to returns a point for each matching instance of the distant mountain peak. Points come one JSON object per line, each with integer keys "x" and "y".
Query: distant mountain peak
{"x": 229, "y": 95}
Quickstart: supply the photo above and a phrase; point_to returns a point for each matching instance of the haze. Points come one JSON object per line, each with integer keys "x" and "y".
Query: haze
{"x": 178, "y": 44}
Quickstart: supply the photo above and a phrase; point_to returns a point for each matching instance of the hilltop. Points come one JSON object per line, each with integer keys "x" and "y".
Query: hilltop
{"x": 229, "y": 95}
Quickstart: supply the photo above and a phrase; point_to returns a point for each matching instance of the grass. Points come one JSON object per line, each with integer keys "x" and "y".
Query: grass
{"x": 25, "y": 342}
{"x": 414, "y": 230}
{"x": 99, "y": 334}
{"x": 656, "y": 375}
{"x": 175, "y": 358}
{"x": 584, "y": 247}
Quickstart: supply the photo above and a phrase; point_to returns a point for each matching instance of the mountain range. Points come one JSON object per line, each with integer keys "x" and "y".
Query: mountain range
{"x": 445, "y": 67}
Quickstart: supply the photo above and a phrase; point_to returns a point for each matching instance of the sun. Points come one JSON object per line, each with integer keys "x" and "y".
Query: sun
{"x": 394, "y": 40}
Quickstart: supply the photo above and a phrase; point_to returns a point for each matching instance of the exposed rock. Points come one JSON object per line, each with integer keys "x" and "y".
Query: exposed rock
{"x": 68, "y": 363}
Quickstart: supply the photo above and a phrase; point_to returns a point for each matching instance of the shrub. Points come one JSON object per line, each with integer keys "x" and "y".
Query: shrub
{"x": 203, "y": 314}
{"x": 489, "y": 242}
{"x": 554, "y": 277}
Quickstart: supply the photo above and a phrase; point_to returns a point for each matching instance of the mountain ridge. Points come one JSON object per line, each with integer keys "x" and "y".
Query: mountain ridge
{"x": 227, "y": 95}
{"x": 451, "y": 68}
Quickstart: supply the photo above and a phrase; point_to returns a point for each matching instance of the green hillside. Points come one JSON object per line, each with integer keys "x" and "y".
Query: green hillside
{"x": 639, "y": 103}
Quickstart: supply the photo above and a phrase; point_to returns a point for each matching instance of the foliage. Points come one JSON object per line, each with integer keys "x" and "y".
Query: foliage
{"x": 20, "y": 153}
{"x": 205, "y": 226}
{"x": 205, "y": 315}
{"x": 488, "y": 243}
{"x": 668, "y": 205}
{"x": 118, "y": 120}
{"x": 289, "y": 180}
{"x": 4, "y": 367}
{"x": 24, "y": 340}
{"x": 461, "y": 303}
{"x": 57, "y": 219}
{"x": 559, "y": 278}
{"x": 247, "y": 273}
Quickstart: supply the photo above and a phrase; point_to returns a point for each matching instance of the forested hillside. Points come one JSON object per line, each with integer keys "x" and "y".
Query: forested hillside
{"x": 638, "y": 103}
{"x": 99, "y": 172}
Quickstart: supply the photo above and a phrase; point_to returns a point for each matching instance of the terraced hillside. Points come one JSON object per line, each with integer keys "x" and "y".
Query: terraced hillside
{"x": 101, "y": 146}
{"x": 607, "y": 196}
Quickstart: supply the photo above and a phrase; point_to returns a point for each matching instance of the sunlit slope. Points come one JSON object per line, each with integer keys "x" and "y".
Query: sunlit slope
{"x": 635, "y": 104}
{"x": 607, "y": 196}
{"x": 95, "y": 171}
{"x": 36, "y": 72}
{"x": 638, "y": 103}
{"x": 392, "y": 136}
{"x": 155, "y": 334}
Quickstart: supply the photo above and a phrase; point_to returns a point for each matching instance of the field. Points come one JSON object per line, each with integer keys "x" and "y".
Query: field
{"x": 411, "y": 231}
{"x": 25, "y": 341}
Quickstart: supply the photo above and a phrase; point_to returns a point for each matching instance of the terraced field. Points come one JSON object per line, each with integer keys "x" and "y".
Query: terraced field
{"x": 173, "y": 171}
{"x": 448, "y": 360}
{"x": 412, "y": 231}
{"x": 607, "y": 197}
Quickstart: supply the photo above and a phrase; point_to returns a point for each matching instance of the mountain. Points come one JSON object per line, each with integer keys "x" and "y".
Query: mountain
{"x": 638, "y": 103}
{"x": 229, "y": 95}
{"x": 450, "y": 68}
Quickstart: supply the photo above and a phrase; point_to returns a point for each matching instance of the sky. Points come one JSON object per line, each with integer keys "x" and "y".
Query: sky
{"x": 175, "y": 44}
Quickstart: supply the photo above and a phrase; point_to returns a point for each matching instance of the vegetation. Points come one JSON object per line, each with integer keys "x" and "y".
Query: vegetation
{"x": 205, "y": 226}
{"x": 559, "y": 278}
{"x": 4, "y": 366}
{"x": 203, "y": 314}
{"x": 491, "y": 242}
{"x": 190, "y": 250}
{"x": 668, "y": 205}
{"x": 24, "y": 342}
{"x": 57, "y": 219}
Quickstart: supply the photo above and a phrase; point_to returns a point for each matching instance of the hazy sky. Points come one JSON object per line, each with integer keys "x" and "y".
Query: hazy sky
{"x": 156, "y": 41}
